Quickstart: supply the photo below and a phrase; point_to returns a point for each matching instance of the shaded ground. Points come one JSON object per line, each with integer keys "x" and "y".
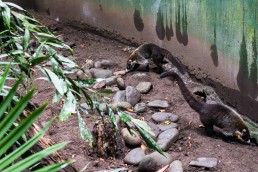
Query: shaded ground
{"x": 193, "y": 142}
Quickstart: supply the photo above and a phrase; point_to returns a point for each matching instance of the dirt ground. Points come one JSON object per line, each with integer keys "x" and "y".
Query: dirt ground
{"x": 192, "y": 143}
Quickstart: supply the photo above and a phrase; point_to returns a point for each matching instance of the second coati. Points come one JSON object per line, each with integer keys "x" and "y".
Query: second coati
{"x": 221, "y": 116}
{"x": 151, "y": 51}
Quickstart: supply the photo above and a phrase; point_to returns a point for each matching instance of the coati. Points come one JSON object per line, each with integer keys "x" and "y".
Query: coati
{"x": 157, "y": 54}
{"x": 223, "y": 117}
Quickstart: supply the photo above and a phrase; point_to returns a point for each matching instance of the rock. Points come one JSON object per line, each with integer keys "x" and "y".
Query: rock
{"x": 104, "y": 107}
{"x": 88, "y": 64}
{"x": 131, "y": 124}
{"x": 118, "y": 120}
{"x": 154, "y": 161}
{"x": 131, "y": 140}
{"x": 111, "y": 80}
{"x": 120, "y": 105}
{"x": 176, "y": 166}
{"x": 116, "y": 170}
{"x": 61, "y": 38}
{"x": 164, "y": 127}
{"x": 71, "y": 44}
{"x": 154, "y": 128}
{"x": 140, "y": 107}
{"x": 87, "y": 73}
{"x": 114, "y": 89}
{"x": 163, "y": 116}
{"x": 141, "y": 77}
{"x": 120, "y": 83}
{"x": 101, "y": 73}
{"x": 86, "y": 106}
{"x": 49, "y": 63}
{"x": 83, "y": 75}
{"x": 205, "y": 162}
{"x": 104, "y": 64}
{"x": 167, "y": 138}
{"x": 144, "y": 87}
{"x": 134, "y": 157}
{"x": 119, "y": 97}
{"x": 32, "y": 43}
{"x": 99, "y": 85}
{"x": 132, "y": 95}
{"x": 121, "y": 72}
{"x": 158, "y": 104}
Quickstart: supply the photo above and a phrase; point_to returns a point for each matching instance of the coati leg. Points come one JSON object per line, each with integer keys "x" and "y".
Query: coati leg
{"x": 209, "y": 130}
{"x": 158, "y": 60}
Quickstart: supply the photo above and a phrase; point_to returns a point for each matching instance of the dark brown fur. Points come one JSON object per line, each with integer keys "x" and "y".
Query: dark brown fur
{"x": 154, "y": 52}
{"x": 221, "y": 116}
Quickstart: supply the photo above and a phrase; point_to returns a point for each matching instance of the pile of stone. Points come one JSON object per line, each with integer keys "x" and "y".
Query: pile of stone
{"x": 163, "y": 124}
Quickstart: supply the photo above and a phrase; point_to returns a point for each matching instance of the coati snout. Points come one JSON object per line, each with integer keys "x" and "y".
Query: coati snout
{"x": 135, "y": 60}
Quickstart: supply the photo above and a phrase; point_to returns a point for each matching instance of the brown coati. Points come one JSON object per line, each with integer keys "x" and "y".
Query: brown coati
{"x": 157, "y": 54}
{"x": 223, "y": 117}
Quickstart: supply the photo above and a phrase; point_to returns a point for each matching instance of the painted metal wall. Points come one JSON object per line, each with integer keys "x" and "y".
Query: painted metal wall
{"x": 215, "y": 39}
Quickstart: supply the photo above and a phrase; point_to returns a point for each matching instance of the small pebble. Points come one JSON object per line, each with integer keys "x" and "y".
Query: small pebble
{"x": 140, "y": 107}
{"x": 158, "y": 104}
{"x": 205, "y": 162}
{"x": 144, "y": 87}
{"x": 120, "y": 83}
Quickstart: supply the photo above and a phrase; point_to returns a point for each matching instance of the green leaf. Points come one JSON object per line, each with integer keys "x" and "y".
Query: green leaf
{"x": 86, "y": 82}
{"x": 98, "y": 107}
{"x": 84, "y": 130}
{"x": 68, "y": 48}
{"x": 3, "y": 77}
{"x": 6, "y": 15}
{"x": 38, "y": 60}
{"x": 112, "y": 117}
{"x": 87, "y": 99}
{"x": 55, "y": 167}
{"x": 57, "y": 97}
{"x": 54, "y": 44}
{"x": 59, "y": 83}
{"x": 105, "y": 91}
{"x": 69, "y": 106}
{"x": 27, "y": 162}
{"x": 7, "y": 101}
{"x": 143, "y": 125}
{"x": 49, "y": 35}
{"x": 75, "y": 88}
{"x": 14, "y": 5}
{"x": 67, "y": 62}
{"x": 16, "y": 133}
{"x": 9, "y": 159}
{"x": 149, "y": 141}
{"x": 26, "y": 39}
{"x": 124, "y": 116}
{"x": 38, "y": 50}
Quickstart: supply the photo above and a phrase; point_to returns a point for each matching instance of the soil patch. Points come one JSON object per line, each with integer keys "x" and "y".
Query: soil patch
{"x": 192, "y": 143}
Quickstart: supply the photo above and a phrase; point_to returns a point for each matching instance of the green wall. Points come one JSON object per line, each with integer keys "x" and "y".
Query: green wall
{"x": 215, "y": 39}
{"x": 228, "y": 26}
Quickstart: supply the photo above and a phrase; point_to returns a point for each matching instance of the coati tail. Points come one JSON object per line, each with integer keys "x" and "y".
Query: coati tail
{"x": 191, "y": 100}
{"x": 176, "y": 63}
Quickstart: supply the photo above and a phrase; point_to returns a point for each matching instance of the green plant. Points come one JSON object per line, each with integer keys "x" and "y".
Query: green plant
{"x": 17, "y": 29}
{"x": 10, "y": 133}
